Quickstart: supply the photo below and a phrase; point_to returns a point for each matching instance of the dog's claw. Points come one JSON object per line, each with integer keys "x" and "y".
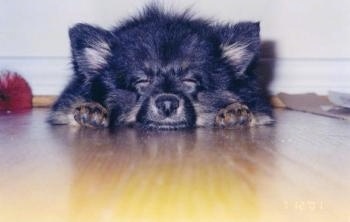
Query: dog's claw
{"x": 234, "y": 115}
{"x": 91, "y": 115}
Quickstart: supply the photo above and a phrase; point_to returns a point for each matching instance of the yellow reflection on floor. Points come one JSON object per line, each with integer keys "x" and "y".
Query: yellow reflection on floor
{"x": 162, "y": 177}
{"x": 290, "y": 172}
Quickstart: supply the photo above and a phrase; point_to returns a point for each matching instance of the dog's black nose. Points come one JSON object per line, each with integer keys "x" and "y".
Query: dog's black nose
{"x": 167, "y": 104}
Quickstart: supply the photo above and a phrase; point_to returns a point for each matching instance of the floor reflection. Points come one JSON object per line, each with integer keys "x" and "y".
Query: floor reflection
{"x": 194, "y": 175}
{"x": 290, "y": 172}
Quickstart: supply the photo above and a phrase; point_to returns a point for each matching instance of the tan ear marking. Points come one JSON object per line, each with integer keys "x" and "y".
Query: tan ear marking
{"x": 97, "y": 55}
{"x": 235, "y": 52}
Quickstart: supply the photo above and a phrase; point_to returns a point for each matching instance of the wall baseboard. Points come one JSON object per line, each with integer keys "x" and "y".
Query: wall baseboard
{"x": 308, "y": 75}
{"x": 49, "y": 75}
{"x": 46, "y": 75}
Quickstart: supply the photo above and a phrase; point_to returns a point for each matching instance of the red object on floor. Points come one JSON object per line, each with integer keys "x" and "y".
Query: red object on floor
{"x": 15, "y": 92}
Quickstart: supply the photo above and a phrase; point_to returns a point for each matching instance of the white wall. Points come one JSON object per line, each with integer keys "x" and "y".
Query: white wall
{"x": 311, "y": 38}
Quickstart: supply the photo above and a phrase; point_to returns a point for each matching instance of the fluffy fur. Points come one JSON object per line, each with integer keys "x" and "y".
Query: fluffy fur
{"x": 163, "y": 70}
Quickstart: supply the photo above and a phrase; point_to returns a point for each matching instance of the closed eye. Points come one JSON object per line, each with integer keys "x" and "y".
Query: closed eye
{"x": 190, "y": 84}
{"x": 142, "y": 82}
{"x": 190, "y": 81}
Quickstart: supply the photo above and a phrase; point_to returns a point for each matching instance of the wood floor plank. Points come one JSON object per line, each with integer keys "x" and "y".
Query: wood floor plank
{"x": 298, "y": 170}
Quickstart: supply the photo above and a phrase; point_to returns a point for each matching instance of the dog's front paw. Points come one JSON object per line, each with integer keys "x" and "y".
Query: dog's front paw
{"x": 91, "y": 115}
{"x": 234, "y": 115}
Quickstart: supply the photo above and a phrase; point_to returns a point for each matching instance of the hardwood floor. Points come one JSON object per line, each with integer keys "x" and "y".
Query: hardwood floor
{"x": 298, "y": 170}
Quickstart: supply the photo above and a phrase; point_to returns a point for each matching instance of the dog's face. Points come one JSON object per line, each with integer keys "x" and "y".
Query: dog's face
{"x": 164, "y": 75}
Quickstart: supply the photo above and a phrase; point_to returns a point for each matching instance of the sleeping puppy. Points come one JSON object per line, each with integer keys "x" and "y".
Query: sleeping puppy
{"x": 162, "y": 70}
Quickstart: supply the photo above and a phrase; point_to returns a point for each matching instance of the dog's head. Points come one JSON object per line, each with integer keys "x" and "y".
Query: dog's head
{"x": 173, "y": 71}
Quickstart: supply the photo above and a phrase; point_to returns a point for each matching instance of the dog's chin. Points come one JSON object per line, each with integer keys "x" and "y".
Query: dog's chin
{"x": 153, "y": 125}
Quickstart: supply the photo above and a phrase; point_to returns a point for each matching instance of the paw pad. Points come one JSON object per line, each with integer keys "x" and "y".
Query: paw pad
{"x": 91, "y": 115}
{"x": 234, "y": 115}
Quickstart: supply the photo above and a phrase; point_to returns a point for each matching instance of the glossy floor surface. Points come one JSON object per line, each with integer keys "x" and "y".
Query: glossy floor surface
{"x": 298, "y": 170}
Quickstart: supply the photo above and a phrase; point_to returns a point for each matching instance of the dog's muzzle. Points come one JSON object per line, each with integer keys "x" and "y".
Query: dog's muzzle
{"x": 164, "y": 111}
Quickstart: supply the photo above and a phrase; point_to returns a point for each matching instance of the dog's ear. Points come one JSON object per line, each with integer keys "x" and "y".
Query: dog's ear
{"x": 91, "y": 48}
{"x": 240, "y": 44}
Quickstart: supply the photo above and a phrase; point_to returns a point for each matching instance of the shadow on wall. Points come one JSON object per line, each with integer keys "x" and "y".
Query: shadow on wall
{"x": 266, "y": 65}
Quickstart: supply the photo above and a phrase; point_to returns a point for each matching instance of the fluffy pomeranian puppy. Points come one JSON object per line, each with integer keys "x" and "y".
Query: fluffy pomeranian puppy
{"x": 164, "y": 70}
